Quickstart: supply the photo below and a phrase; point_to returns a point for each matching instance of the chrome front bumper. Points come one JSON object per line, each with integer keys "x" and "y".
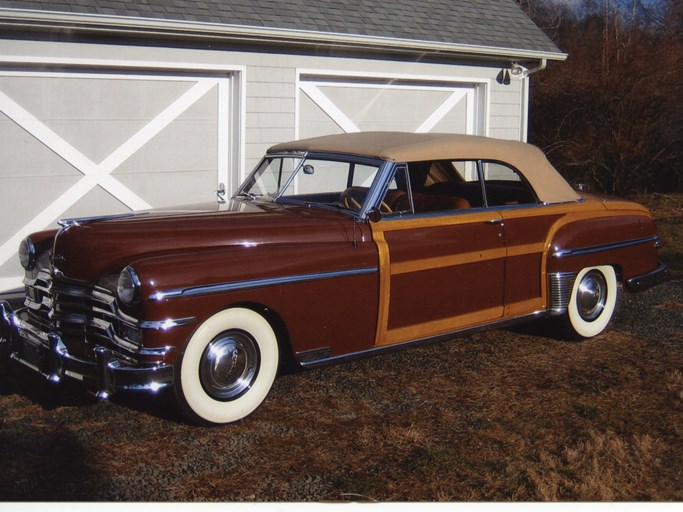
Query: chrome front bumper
{"x": 47, "y": 354}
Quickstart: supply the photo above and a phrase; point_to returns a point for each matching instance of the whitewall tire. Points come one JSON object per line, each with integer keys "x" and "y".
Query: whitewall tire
{"x": 593, "y": 300}
{"x": 227, "y": 368}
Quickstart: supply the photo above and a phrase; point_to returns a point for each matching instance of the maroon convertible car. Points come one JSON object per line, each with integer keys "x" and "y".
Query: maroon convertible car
{"x": 334, "y": 247}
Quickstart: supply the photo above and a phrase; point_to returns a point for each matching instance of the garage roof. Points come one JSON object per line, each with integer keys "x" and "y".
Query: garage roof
{"x": 499, "y": 26}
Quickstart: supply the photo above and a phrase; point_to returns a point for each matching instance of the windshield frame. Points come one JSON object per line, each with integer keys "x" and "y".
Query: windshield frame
{"x": 383, "y": 171}
{"x": 241, "y": 190}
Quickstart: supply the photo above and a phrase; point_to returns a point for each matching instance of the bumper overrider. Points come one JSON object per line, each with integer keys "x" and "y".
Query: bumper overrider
{"x": 47, "y": 354}
{"x": 646, "y": 281}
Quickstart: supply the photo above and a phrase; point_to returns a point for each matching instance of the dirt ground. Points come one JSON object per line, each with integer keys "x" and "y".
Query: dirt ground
{"x": 503, "y": 415}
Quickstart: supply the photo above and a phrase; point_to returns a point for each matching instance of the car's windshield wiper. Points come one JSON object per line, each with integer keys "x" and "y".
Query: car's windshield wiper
{"x": 311, "y": 204}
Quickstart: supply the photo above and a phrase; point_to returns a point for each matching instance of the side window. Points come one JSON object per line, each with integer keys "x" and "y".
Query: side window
{"x": 358, "y": 182}
{"x": 467, "y": 170}
{"x": 505, "y": 186}
{"x": 363, "y": 175}
{"x": 445, "y": 185}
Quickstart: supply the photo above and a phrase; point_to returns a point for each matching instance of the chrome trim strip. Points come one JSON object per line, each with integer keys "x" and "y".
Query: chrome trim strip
{"x": 6, "y": 321}
{"x": 169, "y": 323}
{"x": 316, "y": 354}
{"x": 77, "y": 221}
{"x": 562, "y": 253}
{"x": 159, "y": 352}
{"x": 255, "y": 283}
{"x": 474, "y": 210}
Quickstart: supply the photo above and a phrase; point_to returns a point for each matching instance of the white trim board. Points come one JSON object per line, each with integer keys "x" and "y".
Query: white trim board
{"x": 107, "y": 24}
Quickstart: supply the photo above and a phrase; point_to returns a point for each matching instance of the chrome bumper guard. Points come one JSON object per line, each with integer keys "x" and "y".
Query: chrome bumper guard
{"x": 47, "y": 354}
{"x": 642, "y": 283}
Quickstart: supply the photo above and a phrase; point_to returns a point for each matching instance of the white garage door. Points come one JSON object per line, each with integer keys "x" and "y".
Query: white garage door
{"x": 82, "y": 143}
{"x": 329, "y": 104}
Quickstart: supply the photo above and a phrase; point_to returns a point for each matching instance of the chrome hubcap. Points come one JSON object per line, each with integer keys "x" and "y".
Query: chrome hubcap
{"x": 591, "y": 295}
{"x": 229, "y": 365}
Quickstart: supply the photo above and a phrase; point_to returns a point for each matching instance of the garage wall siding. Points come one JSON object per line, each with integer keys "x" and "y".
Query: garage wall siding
{"x": 270, "y": 112}
{"x": 264, "y": 110}
{"x": 508, "y": 102}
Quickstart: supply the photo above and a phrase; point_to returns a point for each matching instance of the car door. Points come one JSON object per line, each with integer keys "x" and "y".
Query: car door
{"x": 442, "y": 259}
{"x": 527, "y": 223}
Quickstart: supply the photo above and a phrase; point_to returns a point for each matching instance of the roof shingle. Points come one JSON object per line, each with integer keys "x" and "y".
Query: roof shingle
{"x": 491, "y": 23}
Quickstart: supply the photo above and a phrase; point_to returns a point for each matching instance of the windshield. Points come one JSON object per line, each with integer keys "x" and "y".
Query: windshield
{"x": 312, "y": 180}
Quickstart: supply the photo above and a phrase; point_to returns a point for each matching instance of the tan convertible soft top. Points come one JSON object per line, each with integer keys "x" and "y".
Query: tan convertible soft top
{"x": 549, "y": 186}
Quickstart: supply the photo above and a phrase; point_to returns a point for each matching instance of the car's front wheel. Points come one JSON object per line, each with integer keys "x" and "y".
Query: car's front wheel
{"x": 592, "y": 303}
{"x": 227, "y": 368}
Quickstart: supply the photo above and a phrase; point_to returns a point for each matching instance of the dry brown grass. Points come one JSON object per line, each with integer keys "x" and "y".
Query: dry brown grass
{"x": 506, "y": 415}
{"x": 604, "y": 467}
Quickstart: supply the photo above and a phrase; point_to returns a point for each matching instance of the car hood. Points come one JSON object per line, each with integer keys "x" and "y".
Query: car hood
{"x": 88, "y": 249}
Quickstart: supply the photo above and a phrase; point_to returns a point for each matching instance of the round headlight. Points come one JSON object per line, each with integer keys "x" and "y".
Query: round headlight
{"x": 128, "y": 287}
{"x": 27, "y": 254}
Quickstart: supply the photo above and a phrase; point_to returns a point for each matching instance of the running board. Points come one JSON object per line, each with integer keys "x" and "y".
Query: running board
{"x": 323, "y": 356}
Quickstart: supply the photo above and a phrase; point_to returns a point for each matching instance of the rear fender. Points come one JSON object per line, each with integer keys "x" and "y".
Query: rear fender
{"x": 629, "y": 243}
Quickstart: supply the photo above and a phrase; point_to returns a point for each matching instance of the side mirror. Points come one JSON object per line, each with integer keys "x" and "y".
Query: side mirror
{"x": 374, "y": 215}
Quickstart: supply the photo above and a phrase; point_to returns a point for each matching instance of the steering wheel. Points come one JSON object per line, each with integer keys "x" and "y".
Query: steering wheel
{"x": 353, "y": 197}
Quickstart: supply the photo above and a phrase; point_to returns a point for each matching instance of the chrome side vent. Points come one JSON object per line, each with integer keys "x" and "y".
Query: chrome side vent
{"x": 561, "y": 284}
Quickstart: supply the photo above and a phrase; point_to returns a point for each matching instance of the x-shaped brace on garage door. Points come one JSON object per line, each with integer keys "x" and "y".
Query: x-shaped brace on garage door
{"x": 93, "y": 174}
{"x": 314, "y": 92}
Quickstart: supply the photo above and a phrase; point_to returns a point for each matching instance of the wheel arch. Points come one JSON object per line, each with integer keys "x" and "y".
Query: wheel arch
{"x": 287, "y": 358}
{"x": 618, "y": 270}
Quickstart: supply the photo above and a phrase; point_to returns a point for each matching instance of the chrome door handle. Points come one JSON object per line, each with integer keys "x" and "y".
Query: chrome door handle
{"x": 495, "y": 222}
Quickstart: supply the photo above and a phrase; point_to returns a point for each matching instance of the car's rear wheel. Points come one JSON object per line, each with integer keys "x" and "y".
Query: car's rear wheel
{"x": 227, "y": 368}
{"x": 592, "y": 303}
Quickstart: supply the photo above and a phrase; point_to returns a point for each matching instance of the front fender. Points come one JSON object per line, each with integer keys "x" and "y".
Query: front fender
{"x": 302, "y": 283}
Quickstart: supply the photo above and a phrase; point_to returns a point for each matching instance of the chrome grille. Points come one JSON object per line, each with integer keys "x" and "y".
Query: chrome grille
{"x": 39, "y": 300}
{"x": 82, "y": 315}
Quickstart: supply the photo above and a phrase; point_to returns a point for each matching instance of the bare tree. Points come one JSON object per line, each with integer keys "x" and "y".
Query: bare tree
{"x": 611, "y": 114}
